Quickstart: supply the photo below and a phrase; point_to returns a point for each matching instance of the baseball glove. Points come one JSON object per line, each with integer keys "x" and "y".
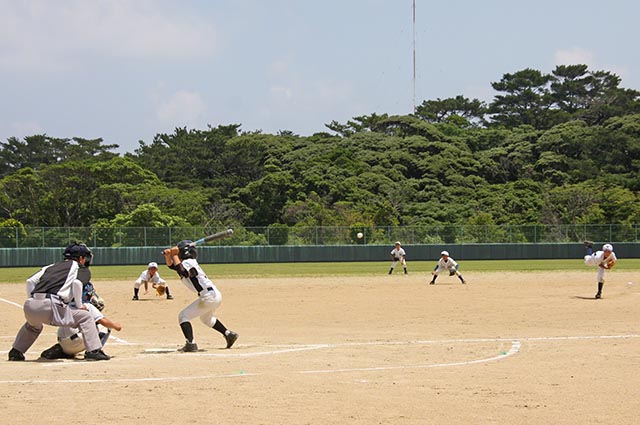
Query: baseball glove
{"x": 160, "y": 290}
{"x": 610, "y": 264}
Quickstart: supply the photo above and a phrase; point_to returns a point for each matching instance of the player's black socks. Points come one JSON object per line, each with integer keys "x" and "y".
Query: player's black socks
{"x": 405, "y": 270}
{"x": 166, "y": 288}
{"x": 220, "y": 327}
{"x": 187, "y": 331}
{"x": 600, "y": 285}
{"x": 135, "y": 292}
{"x": 391, "y": 270}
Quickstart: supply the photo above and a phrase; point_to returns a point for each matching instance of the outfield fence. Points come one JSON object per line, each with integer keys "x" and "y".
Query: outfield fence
{"x": 114, "y": 237}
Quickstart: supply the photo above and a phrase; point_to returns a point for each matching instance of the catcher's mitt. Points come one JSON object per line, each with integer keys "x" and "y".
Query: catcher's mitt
{"x": 160, "y": 290}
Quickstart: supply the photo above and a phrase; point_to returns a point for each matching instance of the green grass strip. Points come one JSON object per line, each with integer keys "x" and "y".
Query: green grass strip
{"x": 217, "y": 271}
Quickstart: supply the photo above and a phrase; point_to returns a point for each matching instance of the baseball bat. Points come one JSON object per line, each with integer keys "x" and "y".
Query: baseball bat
{"x": 213, "y": 237}
{"x": 210, "y": 238}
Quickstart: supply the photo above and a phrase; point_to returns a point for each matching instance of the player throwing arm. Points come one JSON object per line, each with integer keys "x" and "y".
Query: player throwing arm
{"x": 604, "y": 260}
{"x": 446, "y": 263}
{"x": 398, "y": 255}
{"x": 182, "y": 259}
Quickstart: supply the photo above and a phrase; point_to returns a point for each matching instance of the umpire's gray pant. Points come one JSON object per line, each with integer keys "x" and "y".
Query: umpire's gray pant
{"x": 37, "y": 311}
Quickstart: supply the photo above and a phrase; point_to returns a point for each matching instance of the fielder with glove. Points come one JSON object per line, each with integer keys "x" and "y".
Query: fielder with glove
{"x": 446, "y": 263}
{"x": 605, "y": 260}
{"x": 151, "y": 275}
{"x": 398, "y": 255}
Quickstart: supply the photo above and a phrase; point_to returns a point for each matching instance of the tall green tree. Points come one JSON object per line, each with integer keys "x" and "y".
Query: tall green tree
{"x": 526, "y": 100}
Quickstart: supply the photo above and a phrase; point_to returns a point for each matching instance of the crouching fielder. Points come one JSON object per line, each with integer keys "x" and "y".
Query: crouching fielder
{"x": 604, "y": 260}
{"x": 151, "y": 275}
{"x": 446, "y": 263}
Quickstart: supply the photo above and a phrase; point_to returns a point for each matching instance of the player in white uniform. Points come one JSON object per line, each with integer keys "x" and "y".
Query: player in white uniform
{"x": 150, "y": 275}
{"x": 446, "y": 263}
{"x": 182, "y": 259}
{"x": 398, "y": 255}
{"x": 604, "y": 259}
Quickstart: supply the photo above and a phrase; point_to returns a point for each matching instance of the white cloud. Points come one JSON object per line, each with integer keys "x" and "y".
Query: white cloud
{"x": 183, "y": 108}
{"x": 42, "y": 35}
{"x": 574, "y": 56}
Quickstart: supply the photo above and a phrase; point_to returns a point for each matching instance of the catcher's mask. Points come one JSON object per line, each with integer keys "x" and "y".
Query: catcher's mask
{"x": 76, "y": 250}
{"x": 185, "y": 250}
{"x": 89, "y": 295}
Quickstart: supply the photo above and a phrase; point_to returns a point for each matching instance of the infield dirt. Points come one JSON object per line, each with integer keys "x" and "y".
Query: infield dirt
{"x": 520, "y": 348}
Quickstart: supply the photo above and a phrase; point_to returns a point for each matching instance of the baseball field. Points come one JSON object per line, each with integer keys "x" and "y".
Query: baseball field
{"x": 521, "y": 343}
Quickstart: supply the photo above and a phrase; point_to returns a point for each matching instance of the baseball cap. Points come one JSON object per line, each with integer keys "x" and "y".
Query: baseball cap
{"x": 444, "y": 253}
{"x": 398, "y": 243}
{"x": 607, "y": 247}
{"x": 152, "y": 264}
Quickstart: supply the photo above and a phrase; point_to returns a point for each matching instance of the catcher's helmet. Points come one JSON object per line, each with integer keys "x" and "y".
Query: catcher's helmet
{"x": 186, "y": 250}
{"x": 76, "y": 250}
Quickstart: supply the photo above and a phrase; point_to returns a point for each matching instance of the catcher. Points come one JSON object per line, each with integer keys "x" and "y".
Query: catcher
{"x": 605, "y": 260}
{"x": 151, "y": 275}
{"x": 70, "y": 339}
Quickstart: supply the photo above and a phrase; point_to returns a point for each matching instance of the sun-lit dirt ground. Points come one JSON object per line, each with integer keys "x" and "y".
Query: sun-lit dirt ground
{"x": 529, "y": 348}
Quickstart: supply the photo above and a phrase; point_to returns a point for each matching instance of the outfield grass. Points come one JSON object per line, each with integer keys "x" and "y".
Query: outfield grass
{"x": 217, "y": 271}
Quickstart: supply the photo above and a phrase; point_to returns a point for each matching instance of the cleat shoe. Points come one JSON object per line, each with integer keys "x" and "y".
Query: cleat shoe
{"x": 55, "y": 352}
{"x": 135, "y": 298}
{"x": 463, "y": 281}
{"x": 598, "y": 296}
{"x": 169, "y": 297}
{"x": 189, "y": 347}
{"x": 231, "y": 338}
{"x": 432, "y": 283}
{"x": 588, "y": 244}
{"x": 95, "y": 355}
{"x": 15, "y": 356}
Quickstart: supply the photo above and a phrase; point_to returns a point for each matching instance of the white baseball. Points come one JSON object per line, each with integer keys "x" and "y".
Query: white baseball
{"x": 360, "y": 235}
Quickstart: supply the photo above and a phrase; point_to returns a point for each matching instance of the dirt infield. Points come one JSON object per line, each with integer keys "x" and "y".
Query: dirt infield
{"x": 529, "y": 348}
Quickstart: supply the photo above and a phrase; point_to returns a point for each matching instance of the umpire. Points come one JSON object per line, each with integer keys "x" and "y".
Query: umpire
{"x": 51, "y": 290}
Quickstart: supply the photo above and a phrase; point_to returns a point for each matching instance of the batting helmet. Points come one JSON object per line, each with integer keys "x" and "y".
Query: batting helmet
{"x": 186, "y": 250}
{"x": 76, "y": 250}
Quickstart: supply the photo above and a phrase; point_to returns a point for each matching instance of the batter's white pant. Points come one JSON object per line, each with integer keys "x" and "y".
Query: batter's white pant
{"x": 590, "y": 260}
{"x": 203, "y": 307}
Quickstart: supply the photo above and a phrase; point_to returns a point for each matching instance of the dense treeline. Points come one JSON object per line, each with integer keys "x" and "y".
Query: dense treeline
{"x": 551, "y": 148}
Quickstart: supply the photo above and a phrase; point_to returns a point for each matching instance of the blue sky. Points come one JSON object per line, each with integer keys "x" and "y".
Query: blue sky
{"x": 125, "y": 70}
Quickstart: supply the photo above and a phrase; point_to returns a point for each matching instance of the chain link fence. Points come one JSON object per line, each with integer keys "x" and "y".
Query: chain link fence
{"x": 33, "y": 237}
